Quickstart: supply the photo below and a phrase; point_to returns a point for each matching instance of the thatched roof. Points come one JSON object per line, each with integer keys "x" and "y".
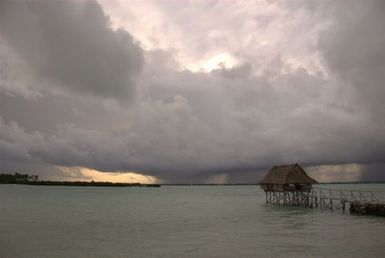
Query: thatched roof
{"x": 287, "y": 174}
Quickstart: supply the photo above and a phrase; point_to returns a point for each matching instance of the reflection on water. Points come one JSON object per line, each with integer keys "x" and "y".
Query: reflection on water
{"x": 198, "y": 221}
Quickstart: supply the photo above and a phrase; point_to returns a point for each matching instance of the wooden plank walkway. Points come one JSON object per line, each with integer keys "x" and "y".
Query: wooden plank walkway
{"x": 356, "y": 201}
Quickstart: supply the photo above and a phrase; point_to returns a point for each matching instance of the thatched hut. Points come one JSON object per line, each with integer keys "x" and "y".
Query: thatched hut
{"x": 291, "y": 178}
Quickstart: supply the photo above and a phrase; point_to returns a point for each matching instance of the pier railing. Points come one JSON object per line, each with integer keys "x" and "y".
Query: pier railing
{"x": 345, "y": 195}
{"x": 357, "y": 201}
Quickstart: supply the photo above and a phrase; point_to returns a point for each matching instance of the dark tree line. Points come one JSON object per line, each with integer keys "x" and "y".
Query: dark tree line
{"x": 17, "y": 178}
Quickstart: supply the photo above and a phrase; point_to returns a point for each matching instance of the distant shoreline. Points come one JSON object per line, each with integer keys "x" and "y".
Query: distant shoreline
{"x": 25, "y": 179}
{"x": 83, "y": 183}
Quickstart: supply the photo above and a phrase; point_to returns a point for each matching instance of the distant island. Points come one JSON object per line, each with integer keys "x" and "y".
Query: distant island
{"x": 25, "y": 179}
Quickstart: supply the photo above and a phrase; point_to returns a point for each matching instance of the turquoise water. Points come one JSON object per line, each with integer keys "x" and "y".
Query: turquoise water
{"x": 176, "y": 221}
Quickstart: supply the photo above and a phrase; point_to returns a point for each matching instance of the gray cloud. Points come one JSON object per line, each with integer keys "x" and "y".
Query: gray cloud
{"x": 231, "y": 124}
{"x": 354, "y": 51}
{"x": 70, "y": 44}
{"x": 191, "y": 127}
{"x": 373, "y": 172}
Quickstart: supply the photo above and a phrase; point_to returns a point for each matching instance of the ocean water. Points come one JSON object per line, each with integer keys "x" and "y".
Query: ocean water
{"x": 177, "y": 221}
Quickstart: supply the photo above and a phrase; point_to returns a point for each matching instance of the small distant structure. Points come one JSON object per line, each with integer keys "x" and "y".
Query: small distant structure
{"x": 292, "y": 178}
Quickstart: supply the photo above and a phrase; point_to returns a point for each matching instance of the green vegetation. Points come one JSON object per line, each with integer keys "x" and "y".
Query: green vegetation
{"x": 26, "y": 179}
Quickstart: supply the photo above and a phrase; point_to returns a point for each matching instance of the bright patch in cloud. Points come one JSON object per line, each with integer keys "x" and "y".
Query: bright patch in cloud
{"x": 87, "y": 174}
{"x": 223, "y": 60}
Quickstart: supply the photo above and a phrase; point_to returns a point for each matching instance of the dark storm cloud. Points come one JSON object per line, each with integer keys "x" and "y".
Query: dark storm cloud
{"x": 373, "y": 172}
{"x": 70, "y": 44}
{"x": 355, "y": 51}
{"x": 195, "y": 127}
{"x": 230, "y": 124}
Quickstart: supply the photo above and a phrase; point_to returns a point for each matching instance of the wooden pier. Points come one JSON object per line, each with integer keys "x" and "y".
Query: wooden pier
{"x": 290, "y": 185}
{"x": 356, "y": 201}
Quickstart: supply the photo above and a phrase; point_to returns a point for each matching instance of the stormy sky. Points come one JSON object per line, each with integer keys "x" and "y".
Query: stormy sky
{"x": 192, "y": 91}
